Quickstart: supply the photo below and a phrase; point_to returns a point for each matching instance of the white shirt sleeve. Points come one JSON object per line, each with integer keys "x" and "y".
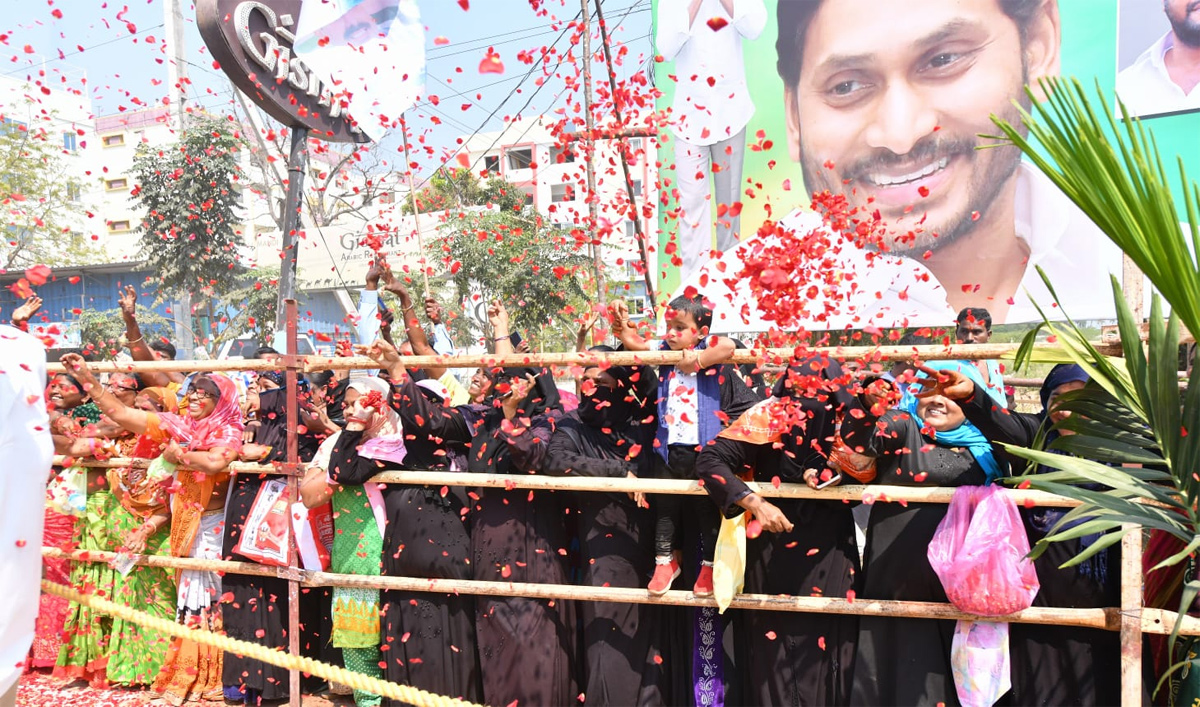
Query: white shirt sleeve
{"x": 673, "y": 30}
{"x": 749, "y": 17}
{"x": 368, "y": 317}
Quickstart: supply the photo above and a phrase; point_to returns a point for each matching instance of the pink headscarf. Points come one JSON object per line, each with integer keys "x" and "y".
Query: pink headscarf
{"x": 221, "y": 428}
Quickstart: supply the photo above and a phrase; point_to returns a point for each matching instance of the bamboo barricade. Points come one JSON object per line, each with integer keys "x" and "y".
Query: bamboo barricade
{"x": 1131, "y": 619}
{"x": 1155, "y": 621}
{"x": 309, "y": 364}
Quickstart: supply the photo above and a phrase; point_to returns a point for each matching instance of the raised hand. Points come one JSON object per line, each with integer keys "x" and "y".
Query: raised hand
{"x": 381, "y": 352}
{"x": 127, "y": 300}
{"x": 79, "y": 369}
{"x": 949, "y": 383}
{"x": 23, "y": 313}
{"x": 433, "y": 310}
{"x": 498, "y": 317}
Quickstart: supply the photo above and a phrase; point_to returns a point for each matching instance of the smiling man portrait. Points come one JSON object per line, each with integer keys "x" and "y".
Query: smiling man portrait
{"x": 886, "y": 101}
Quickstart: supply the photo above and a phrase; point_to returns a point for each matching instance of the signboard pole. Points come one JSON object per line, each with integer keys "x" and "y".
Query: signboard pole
{"x": 297, "y": 162}
{"x": 591, "y": 147}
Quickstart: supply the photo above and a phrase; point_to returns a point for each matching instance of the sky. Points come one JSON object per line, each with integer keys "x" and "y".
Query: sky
{"x": 119, "y": 48}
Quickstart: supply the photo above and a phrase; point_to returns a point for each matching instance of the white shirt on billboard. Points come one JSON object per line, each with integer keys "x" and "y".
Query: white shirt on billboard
{"x": 704, "y": 114}
{"x": 1146, "y": 88}
{"x": 894, "y": 291}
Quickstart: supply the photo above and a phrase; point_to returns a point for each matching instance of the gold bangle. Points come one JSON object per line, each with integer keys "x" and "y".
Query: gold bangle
{"x": 131, "y": 343}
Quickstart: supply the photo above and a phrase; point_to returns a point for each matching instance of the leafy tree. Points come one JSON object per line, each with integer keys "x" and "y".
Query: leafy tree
{"x": 458, "y": 188}
{"x": 189, "y": 231}
{"x": 100, "y": 331}
{"x": 534, "y": 267}
{"x": 39, "y": 207}
{"x": 249, "y": 307}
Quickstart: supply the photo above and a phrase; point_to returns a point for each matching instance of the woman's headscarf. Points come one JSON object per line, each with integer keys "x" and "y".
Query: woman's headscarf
{"x": 489, "y": 453}
{"x": 1061, "y": 374}
{"x": 610, "y": 408}
{"x": 221, "y": 428}
{"x": 965, "y": 435}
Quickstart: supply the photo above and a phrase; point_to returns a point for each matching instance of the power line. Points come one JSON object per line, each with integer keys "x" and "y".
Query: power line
{"x": 80, "y": 51}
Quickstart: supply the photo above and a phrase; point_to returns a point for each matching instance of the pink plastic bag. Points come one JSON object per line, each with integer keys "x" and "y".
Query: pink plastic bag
{"x": 978, "y": 552}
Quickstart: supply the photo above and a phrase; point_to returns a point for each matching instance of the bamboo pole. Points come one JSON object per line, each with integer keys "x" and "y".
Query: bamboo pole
{"x": 968, "y": 352}
{"x": 1131, "y": 624}
{"x": 849, "y": 493}
{"x": 1109, "y": 619}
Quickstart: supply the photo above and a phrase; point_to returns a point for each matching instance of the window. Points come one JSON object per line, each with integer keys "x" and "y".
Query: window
{"x": 7, "y": 125}
{"x": 70, "y": 142}
{"x": 637, "y": 188}
{"x": 387, "y": 197}
{"x": 635, "y": 145}
{"x": 116, "y": 184}
{"x": 118, "y": 226}
{"x": 116, "y": 140}
{"x": 492, "y": 163}
{"x": 630, "y": 230}
{"x": 74, "y": 192}
{"x": 562, "y": 192}
{"x": 561, "y": 155}
{"x": 519, "y": 159}
{"x": 637, "y": 306}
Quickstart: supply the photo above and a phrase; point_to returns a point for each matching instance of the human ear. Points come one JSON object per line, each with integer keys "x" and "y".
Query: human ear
{"x": 1043, "y": 42}
{"x": 791, "y": 110}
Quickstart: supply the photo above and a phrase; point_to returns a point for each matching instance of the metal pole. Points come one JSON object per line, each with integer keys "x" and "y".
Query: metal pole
{"x": 637, "y": 216}
{"x": 591, "y": 148}
{"x": 297, "y": 161}
{"x": 293, "y": 458}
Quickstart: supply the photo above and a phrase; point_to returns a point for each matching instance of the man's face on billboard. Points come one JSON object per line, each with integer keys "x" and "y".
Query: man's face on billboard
{"x": 894, "y": 94}
{"x": 1184, "y": 16}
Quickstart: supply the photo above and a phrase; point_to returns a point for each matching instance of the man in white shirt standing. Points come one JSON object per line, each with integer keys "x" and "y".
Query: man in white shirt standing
{"x": 1164, "y": 78}
{"x": 708, "y": 118}
{"x": 27, "y": 450}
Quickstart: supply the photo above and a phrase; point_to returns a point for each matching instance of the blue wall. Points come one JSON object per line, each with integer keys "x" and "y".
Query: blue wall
{"x": 94, "y": 290}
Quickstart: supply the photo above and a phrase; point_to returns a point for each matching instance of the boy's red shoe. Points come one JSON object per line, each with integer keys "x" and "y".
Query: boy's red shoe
{"x": 664, "y": 575}
{"x": 704, "y": 583}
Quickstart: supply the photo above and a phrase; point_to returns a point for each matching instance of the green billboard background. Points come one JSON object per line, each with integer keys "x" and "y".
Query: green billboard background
{"x": 1089, "y": 36}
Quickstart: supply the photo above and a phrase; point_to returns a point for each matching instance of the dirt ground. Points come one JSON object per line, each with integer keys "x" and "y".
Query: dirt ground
{"x": 38, "y": 689}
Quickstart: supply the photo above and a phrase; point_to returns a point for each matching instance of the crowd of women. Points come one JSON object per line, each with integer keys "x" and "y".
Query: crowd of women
{"x": 817, "y": 424}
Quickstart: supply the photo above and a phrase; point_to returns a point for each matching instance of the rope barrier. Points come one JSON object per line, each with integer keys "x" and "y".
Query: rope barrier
{"x": 358, "y": 681}
{"x": 1108, "y": 619}
{"x": 616, "y": 358}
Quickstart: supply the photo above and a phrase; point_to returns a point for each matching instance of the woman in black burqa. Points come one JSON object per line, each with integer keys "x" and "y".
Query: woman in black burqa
{"x": 428, "y": 639}
{"x": 625, "y": 658}
{"x": 526, "y": 646}
{"x": 255, "y": 609}
{"x": 806, "y": 548}
{"x": 1053, "y": 665}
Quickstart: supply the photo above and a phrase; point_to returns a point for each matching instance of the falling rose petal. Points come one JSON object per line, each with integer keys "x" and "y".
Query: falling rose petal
{"x": 440, "y": 41}
{"x": 771, "y": 635}
{"x": 717, "y": 23}
{"x": 812, "y": 552}
{"x": 850, "y": 594}
{"x": 821, "y": 642}
{"x": 464, "y": 4}
{"x": 37, "y": 275}
{"x": 923, "y": 191}
{"x": 753, "y": 529}
{"x": 491, "y": 64}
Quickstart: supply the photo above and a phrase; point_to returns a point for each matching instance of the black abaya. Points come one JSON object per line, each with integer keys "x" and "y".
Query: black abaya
{"x": 903, "y": 661}
{"x": 625, "y": 657}
{"x": 1056, "y": 665}
{"x": 526, "y": 646}
{"x": 791, "y": 658}
{"x": 428, "y": 639}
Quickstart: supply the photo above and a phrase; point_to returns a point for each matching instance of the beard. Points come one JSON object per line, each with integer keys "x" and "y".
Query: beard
{"x": 1185, "y": 28}
{"x": 991, "y": 172}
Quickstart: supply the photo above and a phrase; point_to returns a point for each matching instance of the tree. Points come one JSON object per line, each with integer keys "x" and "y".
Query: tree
{"x": 39, "y": 198}
{"x": 189, "y": 232}
{"x": 100, "y": 331}
{"x": 458, "y": 188}
{"x": 250, "y": 306}
{"x": 534, "y": 267}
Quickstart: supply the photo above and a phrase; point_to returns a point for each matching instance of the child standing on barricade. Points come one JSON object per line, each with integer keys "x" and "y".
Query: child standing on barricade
{"x": 696, "y": 399}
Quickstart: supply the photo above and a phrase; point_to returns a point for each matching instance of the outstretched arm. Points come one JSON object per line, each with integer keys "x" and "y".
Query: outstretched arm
{"x": 131, "y": 419}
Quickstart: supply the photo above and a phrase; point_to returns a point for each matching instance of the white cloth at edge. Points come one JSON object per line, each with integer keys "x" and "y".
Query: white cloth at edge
{"x": 26, "y": 446}
{"x": 683, "y": 409}
{"x": 1146, "y": 88}
{"x": 692, "y": 170}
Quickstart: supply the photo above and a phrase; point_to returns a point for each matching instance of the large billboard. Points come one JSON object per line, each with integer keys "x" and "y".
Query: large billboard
{"x": 885, "y": 102}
